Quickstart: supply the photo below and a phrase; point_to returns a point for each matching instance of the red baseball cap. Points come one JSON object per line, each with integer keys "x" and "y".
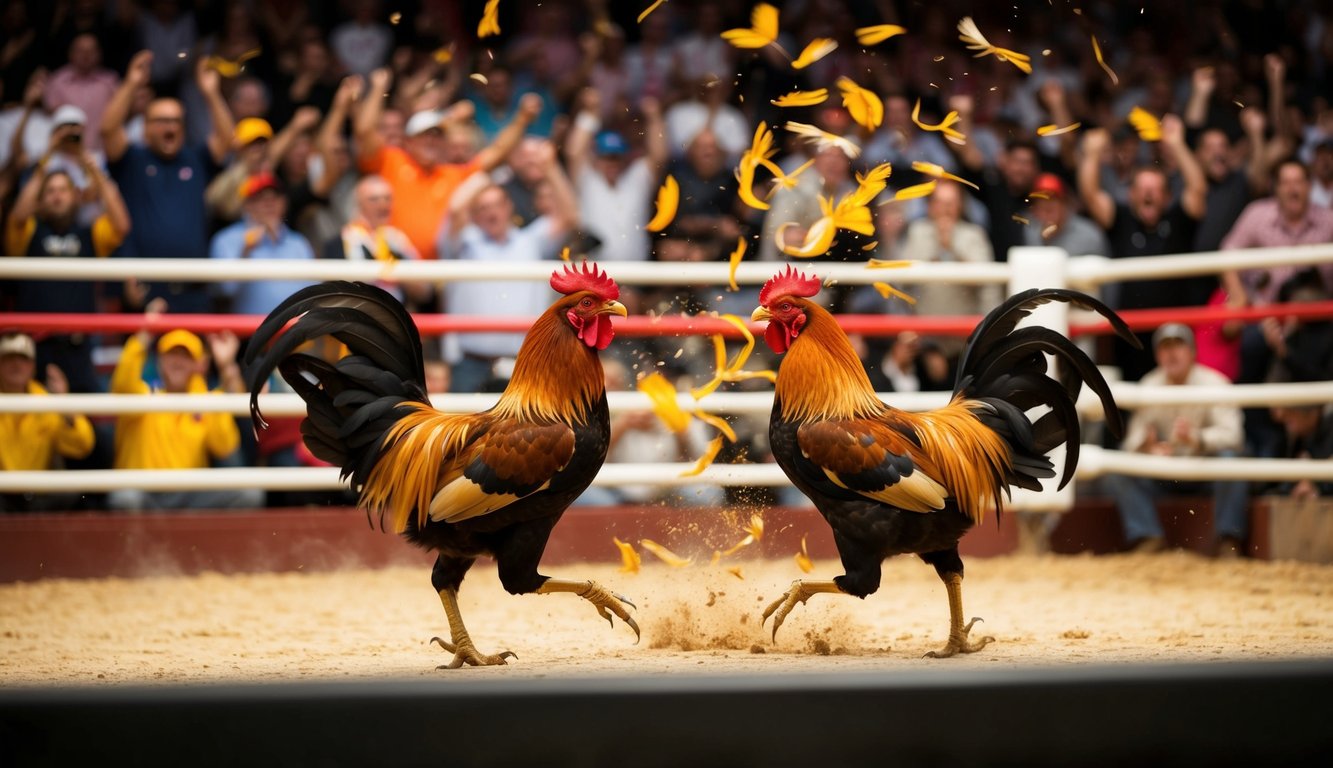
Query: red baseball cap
{"x": 1050, "y": 185}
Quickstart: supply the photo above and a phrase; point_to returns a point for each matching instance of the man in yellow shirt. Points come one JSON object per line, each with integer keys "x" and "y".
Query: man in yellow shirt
{"x": 177, "y": 440}
{"x": 33, "y": 441}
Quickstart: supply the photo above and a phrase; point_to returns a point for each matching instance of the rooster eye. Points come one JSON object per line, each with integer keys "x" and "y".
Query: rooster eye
{"x": 785, "y": 307}
{"x": 587, "y": 302}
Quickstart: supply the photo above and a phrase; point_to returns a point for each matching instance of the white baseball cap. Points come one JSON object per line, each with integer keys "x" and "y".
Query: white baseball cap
{"x": 423, "y": 121}
{"x": 18, "y": 344}
{"x": 68, "y": 114}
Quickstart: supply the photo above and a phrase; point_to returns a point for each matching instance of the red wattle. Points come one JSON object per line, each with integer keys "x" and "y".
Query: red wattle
{"x": 776, "y": 337}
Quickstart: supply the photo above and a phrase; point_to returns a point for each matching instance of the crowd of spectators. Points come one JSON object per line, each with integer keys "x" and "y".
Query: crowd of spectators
{"x": 372, "y": 129}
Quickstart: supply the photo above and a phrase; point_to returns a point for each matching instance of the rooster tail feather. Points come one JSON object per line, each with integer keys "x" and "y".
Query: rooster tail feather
{"x": 353, "y": 403}
{"x": 1006, "y": 368}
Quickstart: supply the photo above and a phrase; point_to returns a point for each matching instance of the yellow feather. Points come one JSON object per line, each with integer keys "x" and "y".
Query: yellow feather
{"x": 490, "y": 19}
{"x": 878, "y": 33}
{"x": 863, "y": 105}
{"x": 802, "y": 98}
{"x": 816, "y": 50}
{"x": 668, "y": 198}
{"x": 763, "y": 29}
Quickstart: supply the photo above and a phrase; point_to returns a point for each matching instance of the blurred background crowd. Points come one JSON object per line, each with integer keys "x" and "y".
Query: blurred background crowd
{"x": 378, "y": 130}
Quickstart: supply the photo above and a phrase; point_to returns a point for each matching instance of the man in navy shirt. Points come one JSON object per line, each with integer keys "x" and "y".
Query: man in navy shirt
{"x": 163, "y": 180}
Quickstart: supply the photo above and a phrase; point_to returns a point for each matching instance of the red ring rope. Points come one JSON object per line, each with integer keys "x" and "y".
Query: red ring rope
{"x": 669, "y": 325}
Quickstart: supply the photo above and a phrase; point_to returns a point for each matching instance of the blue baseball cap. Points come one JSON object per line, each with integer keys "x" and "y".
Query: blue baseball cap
{"x": 610, "y": 143}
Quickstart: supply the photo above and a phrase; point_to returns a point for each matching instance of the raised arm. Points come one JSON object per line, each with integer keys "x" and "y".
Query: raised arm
{"x": 1056, "y": 100}
{"x": 114, "y": 139}
{"x": 655, "y": 146}
{"x": 32, "y": 96}
{"x": 1100, "y": 205}
{"x": 1194, "y": 197}
{"x": 365, "y": 126}
{"x": 224, "y": 127}
{"x": 326, "y": 139}
{"x": 495, "y": 153}
{"x": 1202, "y": 82}
{"x": 457, "y": 216}
{"x": 968, "y": 154}
{"x": 113, "y": 205}
{"x": 303, "y": 119}
{"x": 564, "y": 202}
{"x": 578, "y": 142}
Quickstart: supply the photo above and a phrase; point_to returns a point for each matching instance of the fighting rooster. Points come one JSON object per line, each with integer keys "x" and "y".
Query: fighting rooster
{"x": 463, "y": 485}
{"x": 890, "y": 482}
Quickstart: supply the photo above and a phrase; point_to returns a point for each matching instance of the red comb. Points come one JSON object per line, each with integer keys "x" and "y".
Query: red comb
{"x": 589, "y": 278}
{"x": 789, "y": 283}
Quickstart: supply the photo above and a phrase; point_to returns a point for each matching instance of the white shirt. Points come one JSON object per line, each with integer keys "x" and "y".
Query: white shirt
{"x": 497, "y": 298}
{"x": 616, "y": 214}
{"x": 1218, "y": 427}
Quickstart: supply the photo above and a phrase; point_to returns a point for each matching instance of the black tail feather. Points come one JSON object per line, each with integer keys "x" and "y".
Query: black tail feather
{"x": 1006, "y": 367}
{"x": 351, "y": 403}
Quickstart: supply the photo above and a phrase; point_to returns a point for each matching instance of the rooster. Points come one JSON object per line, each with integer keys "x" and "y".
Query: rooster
{"x": 890, "y": 482}
{"x": 462, "y": 485}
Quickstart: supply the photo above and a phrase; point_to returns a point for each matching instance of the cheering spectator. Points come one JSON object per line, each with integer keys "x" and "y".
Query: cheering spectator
{"x": 419, "y": 171}
{"x": 1180, "y": 430}
{"x": 369, "y": 236}
{"x": 84, "y": 83}
{"x": 480, "y": 227}
{"x": 66, "y": 153}
{"x": 261, "y": 234}
{"x": 164, "y": 179}
{"x": 43, "y": 223}
{"x": 35, "y": 441}
{"x": 1150, "y": 225}
{"x": 1054, "y": 223}
{"x": 177, "y": 440}
{"x": 1004, "y": 184}
{"x": 1287, "y": 218}
{"x": 615, "y": 192}
{"x": 945, "y": 236}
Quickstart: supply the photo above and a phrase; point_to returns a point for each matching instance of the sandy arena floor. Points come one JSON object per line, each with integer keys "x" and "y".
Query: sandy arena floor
{"x": 695, "y": 620}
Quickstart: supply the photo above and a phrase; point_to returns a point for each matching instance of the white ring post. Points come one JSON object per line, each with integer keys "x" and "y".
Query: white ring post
{"x": 1036, "y": 267}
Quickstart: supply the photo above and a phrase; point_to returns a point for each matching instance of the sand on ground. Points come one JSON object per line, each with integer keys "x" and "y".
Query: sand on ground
{"x": 700, "y": 619}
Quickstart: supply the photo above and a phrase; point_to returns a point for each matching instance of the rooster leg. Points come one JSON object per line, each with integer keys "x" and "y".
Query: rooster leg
{"x": 607, "y": 602}
{"x": 462, "y": 648}
{"x": 800, "y": 592}
{"x": 958, "y": 632}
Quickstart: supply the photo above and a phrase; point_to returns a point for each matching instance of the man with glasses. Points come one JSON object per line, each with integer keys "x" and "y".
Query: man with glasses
{"x": 163, "y": 180}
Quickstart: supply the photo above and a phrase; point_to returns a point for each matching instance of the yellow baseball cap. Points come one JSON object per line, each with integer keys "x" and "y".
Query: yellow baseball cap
{"x": 181, "y": 338}
{"x": 251, "y": 129}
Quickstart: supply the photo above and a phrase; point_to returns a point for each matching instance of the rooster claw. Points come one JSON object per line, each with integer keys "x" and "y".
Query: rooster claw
{"x": 465, "y": 653}
{"x": 958, "y": 643}
{"x": 800, "y": 592}
{"x": 609, "y": 606}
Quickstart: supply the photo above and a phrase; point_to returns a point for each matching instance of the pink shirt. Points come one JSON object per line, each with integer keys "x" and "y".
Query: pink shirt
{"x": 91, "y": 93}
{"x": 1260, "y": 225}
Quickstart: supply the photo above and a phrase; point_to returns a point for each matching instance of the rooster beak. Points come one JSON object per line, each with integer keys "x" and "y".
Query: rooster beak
{"x": 614, "y": 308}
{"x": 760, "y": 314}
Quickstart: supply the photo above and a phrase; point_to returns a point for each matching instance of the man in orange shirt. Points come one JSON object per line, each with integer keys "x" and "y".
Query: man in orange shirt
{"x": 420, "y": 173}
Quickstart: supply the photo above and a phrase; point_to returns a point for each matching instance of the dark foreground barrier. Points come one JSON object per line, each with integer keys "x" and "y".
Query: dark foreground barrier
{"x": 1214, "y": 715}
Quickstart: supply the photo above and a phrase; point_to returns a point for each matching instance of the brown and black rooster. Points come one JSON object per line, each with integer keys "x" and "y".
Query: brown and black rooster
{"x": 463, "y": 485}
{"x": 890, "y": 482}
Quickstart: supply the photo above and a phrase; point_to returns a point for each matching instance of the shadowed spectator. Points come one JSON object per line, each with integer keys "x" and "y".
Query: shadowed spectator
{"x": 1181, "y": 430}
{"x": 84, "y": 83}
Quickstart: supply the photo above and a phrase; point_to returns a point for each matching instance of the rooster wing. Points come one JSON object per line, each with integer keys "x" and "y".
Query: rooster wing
{"x": 870, "y": 458}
